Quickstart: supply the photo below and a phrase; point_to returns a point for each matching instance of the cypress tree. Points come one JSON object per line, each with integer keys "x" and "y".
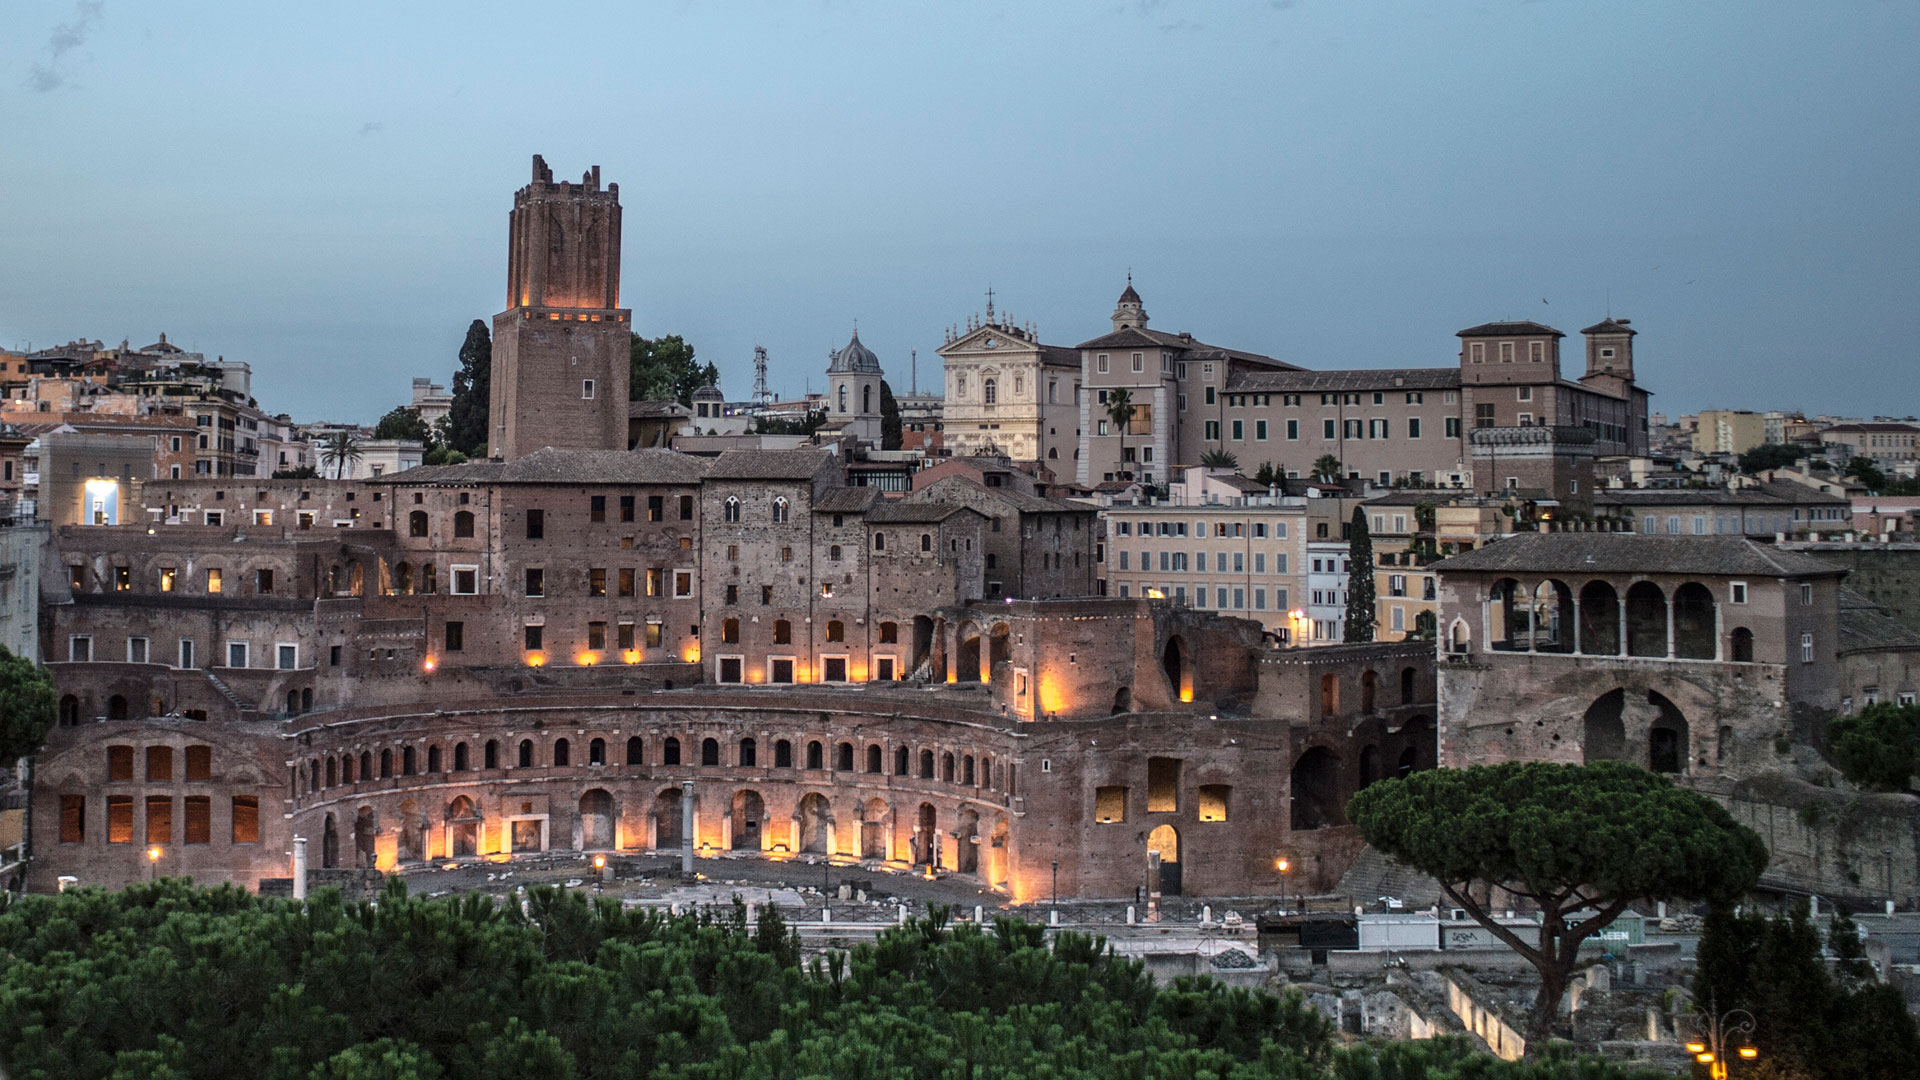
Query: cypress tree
{"x": 472, "y": 391}
{"x": 1359, "y": 580}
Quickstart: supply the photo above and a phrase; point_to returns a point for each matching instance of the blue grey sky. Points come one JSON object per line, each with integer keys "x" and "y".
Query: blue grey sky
{"x": 322, "y": 189}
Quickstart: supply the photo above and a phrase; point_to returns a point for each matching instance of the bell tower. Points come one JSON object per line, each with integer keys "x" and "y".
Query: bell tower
{"x": 560, "y": 350}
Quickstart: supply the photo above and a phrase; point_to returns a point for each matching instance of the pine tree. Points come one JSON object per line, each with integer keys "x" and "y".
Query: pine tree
{"x": 1359, "y": 580}
{"x": 890, "y": 430}
{"x": 472, "y": 393}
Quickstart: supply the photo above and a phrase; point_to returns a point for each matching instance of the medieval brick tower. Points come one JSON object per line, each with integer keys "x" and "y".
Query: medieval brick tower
{"x": 560, "y": 352}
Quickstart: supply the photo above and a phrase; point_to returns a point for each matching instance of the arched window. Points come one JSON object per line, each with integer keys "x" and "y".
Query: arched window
{"x": 433, "y": 760}
{"x": 1742, "y": 645}
{"x": 843, "y": 397}
{"x": 490, "y": 757}
{"x": 366, "y": 765}
{"x": 429, "y": 579}
{"x": 670, "y": 751}
{"x": 406, "y": 761}
{"x": 732, "y": 512}
{"x": 729, "y": 631}
{"x": 926, "y": 764}
{"x": 293, "y": 705}
{"x": 331, "y": 766}
{"x": 117, "y": 708}
{"x": 459, "y": 757}
{"x": 843, "y": 757}
{"x": 866, "y": 399}
{"x": 403, "y": 579}
{"x": 417, "y": 523}
{"x": 966, "y": 770}
{"x": 463, "y": 525}
{"x": 386, "y": 764}
{"x": 815, "y": 756}
{"x": 597, "y": 752}
{"x": 889, "y": 633}
{"x": 749, "y": 754}
{"x": 879, "y": 541}
{"x": 836, "y": 630}
{"x": 946, "y": 767}
{"x": 782, "y": 632}
{"x": 833, "y": 553}
{"x": 783, "y": 754}
{"x": 636, "y": 751}
{"x": 69, "y": 711}
{"x": 876, "y": 761}
{"x": 990, "y": 390}
{"x": 926, "y": 541}
{"x": 902, "y": 761}
{"x": 709, "y": 752}
{"x": 779, "y": 509}
{"x": 526, "y": 753}
{"x": 562, "y": 752}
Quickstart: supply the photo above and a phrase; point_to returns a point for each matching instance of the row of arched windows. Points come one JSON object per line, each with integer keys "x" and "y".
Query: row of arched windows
{"x": 731, "y": 510}
{"x": 947, "y": 767}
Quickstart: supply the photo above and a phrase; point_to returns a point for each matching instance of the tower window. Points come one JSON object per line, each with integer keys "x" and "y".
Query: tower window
{"x": 586, "y": 389}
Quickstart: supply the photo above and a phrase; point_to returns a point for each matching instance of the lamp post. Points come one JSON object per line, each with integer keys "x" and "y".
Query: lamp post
{"x": 1283, "y": 864}
{"x": 153, "y": 861}
{"x": 1056, "y": 891}
{"x": 1719, "y": 1030}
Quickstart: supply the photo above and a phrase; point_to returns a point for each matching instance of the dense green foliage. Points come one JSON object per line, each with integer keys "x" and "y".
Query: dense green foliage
{"x": 403, "y": 422}
{"x": 339, "y": 451}
{"x": 1580, "y": 841}
{"x": 1121, "y": 410}
{"x": 1770, "y": 456}
{"x": 1360, "y": 615}
{"x": 167, "y": 981}
{"x": 891, "y": 434}
{"x": 472, "y": 393}
{"x": 1877, "y": 747}
{"x": 26, "y": 706}
{"x": 1808, "y": 1022}
{"x": 663, "y": 369}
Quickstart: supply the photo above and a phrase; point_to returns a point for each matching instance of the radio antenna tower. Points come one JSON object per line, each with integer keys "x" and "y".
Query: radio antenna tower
{"x": 762, "y": 397}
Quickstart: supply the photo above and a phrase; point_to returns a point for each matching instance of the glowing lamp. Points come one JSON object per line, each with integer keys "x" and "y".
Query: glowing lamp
{"x": 1704, "y": 1059}
{"x": 599, "y": 862}
{"x": 1696, "y": 1048}
{"x": 153, "y": 854}
{"x": 536, "y": 659}
{"x": 1281, "y": 865}
{"x": 1297, "y": 613}
{"x": 1186, "y": 694}
{"x": 427, "y": 665}
{"x": 631, "y": 656}
{"x": 1749, "y": 1053}
{"x": 587, "y": 659}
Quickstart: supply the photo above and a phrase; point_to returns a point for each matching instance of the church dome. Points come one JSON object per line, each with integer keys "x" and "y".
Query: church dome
{"x": 709, "y": 393}
{"x": 854, "y": 358}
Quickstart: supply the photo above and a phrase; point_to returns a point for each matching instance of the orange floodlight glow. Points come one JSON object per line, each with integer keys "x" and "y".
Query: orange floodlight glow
{"x": 427, "y": 665}
{"x": 536, "y": 659}
{"x": 692, "y": 655}
{"x": 587, "y": 659}
{"x": 631, "y": 656}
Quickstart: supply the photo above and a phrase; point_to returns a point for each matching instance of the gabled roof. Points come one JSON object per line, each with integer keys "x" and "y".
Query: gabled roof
{"x": 549, "y": 466}
{"x": 1389, "y": 379}
{"x": 1867, "y": 627}
{"x": 846, "y": 500}
{"x": 1902, "y": 429}
{"x": 1018, "y": 500}
{"x": 899, "y": 512}
{"x": 1523, "y": 328}
{"x": 1610, "y": 326}
{"x": 1635, "y": 553}
{"x": 1132, "y": 337}
{"x": 769, "y": 464}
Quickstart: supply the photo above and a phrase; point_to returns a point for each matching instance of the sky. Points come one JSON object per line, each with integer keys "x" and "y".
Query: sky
{"x": 321, "y": 190}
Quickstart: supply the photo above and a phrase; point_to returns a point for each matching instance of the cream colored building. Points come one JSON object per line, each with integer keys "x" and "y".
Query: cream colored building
{"x": 1007, "y": 394}
{"x": 1729, "y": 431}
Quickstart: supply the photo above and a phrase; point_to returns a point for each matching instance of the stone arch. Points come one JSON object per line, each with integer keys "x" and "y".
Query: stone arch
{"x": 463, "y": 828}
{"x": 460, "y": 759}
{"x": 1503, "y": 629}
{"x": 1550, "y": 620}
{"x": 1604, "y": 737}
{"x": 1165, "y": 839}
{"x": 366, "y": 765}
{"x": 816, "y": 755}
{"x": 1316, "y": 790}
{"x": 526, "y": 754}
{"x": 1122, "y": 701}
{"x": 710, "y": 752}
{"x": 1329, "y": 695}
{"x": 967, "y": 655}
{"x": 966, "y": 842}
{"x": 999, "y": 647}
{"x": 875, "y": 830}
{"x": 596, "y": 820}
{"x": 668, "y": 806}
{"x": 1646, "y": 620}
{"x": 417, "y": 523}
{"x": 386, "y": 764}
{"x": 782, "y": 754}
{"x": 69, "y": 711}
{"x": 902, "y": 761}
{"x": 922, "y": 641}
{"x": 562, "y": 752}
{"x": 636, "y": 750}
{"x": 946, "y": 767}
{"x": 463, "y": 524}
{"x": 329, "y": 844}
{"x": 410, "y": 843}
{"x": 1460, "y": 636}
{"x": 670, "y": 751}
{"x": 1668, "y": 747}
{"x": 366, "y": 831}
{"x": 490, "y": 755}
{"x": 997, "y": 862}
{"x": 749, "y": 754}
{"x": 597, "y": 751}
{"x": 1599, "y": 619}
{"x": 1369, "y": 765}
{"x": 813, "y": 824}
{"x": 1419, "y": 747}
{"x": 1742, "y": 645}
{"x": 1178, "y": 667}
{"x": 926, "y": 764}
{"x": 843, "y": 757}
{"x": 116, "y": 708}
{"x": 926, "y": 830}
{"x": 876, "y": 759}
{"x": 749, "y": 820}
{"x": 403, "y": 577}
{"x": 1694, "y": 635}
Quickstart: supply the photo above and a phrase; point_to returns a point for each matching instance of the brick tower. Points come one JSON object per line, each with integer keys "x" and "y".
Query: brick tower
{"x": 560, "y": 352}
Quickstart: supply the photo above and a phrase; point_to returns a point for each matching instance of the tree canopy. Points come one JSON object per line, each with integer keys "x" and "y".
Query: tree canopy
{"x": 1770, "y": 456}
{"x": 403, "y": 422}
{"x": 663, "y": 369}
{"x": 1360, "y": 616}
{"x": 1877, "y": 747}
{"x": 167, "y": 981}
{"x": 1580, "y": 841}
{"x": 26, "y": 706}
{"x": 472, "y": 393}
{"x": 891, "y": 433}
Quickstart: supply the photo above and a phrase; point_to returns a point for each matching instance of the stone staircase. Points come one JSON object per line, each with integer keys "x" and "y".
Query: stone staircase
{"x": 225, "y": 691}
{"x": 1374, "y": 875}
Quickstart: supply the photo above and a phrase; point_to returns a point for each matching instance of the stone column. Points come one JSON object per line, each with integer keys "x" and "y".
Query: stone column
{"x": 686, "y": 828}
{"x": 1669, "y": 626}
{"x": 299, "y": 868}
{"x": 1577, "y": 643}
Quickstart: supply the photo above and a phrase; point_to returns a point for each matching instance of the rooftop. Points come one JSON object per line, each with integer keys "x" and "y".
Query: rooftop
{"x": 1349, "y": 379}
{"x": 1634, "y": 553}
{"x": 549, "y": 466}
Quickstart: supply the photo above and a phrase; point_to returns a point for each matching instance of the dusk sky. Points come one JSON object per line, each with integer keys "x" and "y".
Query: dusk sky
{"x": 322, "y": 189}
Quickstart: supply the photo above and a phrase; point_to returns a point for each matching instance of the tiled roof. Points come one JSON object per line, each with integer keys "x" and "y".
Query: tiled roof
{"x": 1865, "y": 626}
{"x": 1509, "y": 329}
{"x": 1901, "y": 429}
{"x": 1630, "y": 553}
{"x": 1775, "y": 493}
{"x": 1609, "y": 326}
{"x": 549, "y": 466}
{"x": 846, "y": 500}
{"x": 1141, "y": 338}
{"x": 1018, "y": 500}
{"x": 1389, "y": 379}
{"x": 769, "y": 464}
{"x": 907, "y": 513}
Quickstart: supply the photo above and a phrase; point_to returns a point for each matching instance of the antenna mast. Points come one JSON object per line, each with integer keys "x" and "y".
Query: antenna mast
{"x": 762, "y": 397}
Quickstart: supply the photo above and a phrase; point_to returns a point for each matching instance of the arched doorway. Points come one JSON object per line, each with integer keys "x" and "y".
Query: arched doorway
{"x": 1122, "y": 701}
{"x": 1173, "y": 661}
{"x": 814, "y": 821}
{"x": 596, "y": 820}
{"x": 922, "y": 642}
{"x": 1646, "y": 620}
{"x": 999, "y": 648}
{"x": 1165, "y": 839}
{"x": 667, "y": 809}
{"x": 966, "y": 665}
{"x": 1668, "y": 747}
{"x": 329, "y": 844}
{"x": 1420, "y": 749}
{"x": 1742, "y": 645}
{"x": 463, "y": 828}
{"x": 1369, "y": 765}
{"x": 1599, "y": 619}
{"x": 1316, "y": 790}
{"x": 997, "y": 854}
{"x": 366, "y": 850}
{"x": 1604, "y": 737}
{"x": 749, "y": 820}
{"x": 966, "y": 848}
{"x": 410, "y": 845}
{"x": 873, "y": 829}
{"x": 925, "y": 828}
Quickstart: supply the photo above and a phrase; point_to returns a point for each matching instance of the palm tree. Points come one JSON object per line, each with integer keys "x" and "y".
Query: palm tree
{"x": 1219, "y": 459}
{"x": 341, "y": 447}
{"x": 1327, "y": 467}
{"x": 1120, "y": 409}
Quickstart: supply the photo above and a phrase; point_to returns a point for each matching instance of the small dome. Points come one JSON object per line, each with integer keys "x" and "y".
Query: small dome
{"x": 854, "y": 358}
{"x": 709, "y": 393}
{"x": 1129, "y": 297}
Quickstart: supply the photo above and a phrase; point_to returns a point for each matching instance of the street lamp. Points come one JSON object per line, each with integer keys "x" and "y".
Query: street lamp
{"x": 1283, "y": 864}
{"x": 1056, "y": 890}
{"x": 1734, "y": 1026}
{"x": 153, "y": 861}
